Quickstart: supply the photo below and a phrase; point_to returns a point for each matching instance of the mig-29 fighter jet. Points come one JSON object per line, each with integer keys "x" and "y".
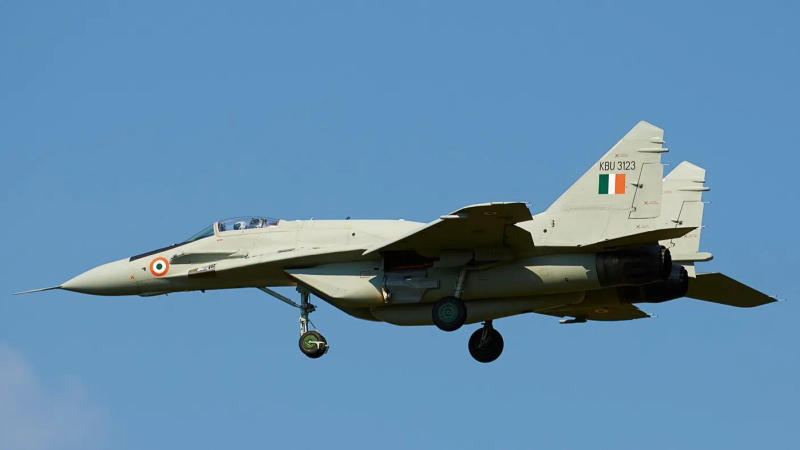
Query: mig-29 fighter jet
{"x": 621, "y": 235}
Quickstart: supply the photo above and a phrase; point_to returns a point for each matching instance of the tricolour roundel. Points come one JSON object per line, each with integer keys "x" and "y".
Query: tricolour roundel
{"x": 159, "y": 266}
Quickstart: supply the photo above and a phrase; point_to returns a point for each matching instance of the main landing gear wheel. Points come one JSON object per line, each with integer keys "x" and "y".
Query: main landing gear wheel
{"x": 449, "y": 313}
{"x": 486, "y": 344}
{"x": 313, "y": 344}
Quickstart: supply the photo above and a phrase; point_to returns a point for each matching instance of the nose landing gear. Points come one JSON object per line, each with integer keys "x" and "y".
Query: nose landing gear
{"x": 486, "y": 344}
{"x": 312, "y": 343}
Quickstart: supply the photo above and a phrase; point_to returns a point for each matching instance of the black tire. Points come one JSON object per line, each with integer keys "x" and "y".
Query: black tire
{"x": 491, "y": 348}
{"x": 313, "y": 344}
{"x": 449, "y": 313}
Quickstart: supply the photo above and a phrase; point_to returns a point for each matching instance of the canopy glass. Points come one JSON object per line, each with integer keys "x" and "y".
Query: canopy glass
{"x": 233, "y": 224}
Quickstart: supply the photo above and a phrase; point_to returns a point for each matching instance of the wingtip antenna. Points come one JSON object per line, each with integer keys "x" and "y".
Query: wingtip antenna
{"x": 31, "y": 291}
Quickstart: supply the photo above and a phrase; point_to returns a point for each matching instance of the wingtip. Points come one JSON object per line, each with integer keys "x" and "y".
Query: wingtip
{"x": 31, "y": 291}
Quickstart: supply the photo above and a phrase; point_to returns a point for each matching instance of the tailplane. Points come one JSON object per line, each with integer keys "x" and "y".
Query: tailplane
{"x": 720, "y": 288}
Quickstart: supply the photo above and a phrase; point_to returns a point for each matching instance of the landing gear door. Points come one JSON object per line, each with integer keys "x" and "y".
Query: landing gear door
{"x": 647, "y": 197}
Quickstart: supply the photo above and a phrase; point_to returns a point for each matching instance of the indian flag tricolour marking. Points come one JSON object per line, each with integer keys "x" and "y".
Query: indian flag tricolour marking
{"x": 611, "y": 183}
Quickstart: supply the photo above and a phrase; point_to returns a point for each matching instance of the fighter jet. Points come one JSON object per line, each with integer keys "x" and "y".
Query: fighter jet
{"x": 621, "y": 235}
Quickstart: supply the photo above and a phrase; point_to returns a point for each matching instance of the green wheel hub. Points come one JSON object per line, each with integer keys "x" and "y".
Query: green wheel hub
{"x": 309, "y": 342}
{"x": 313, "y": 344}
{"x": 449, "y": 313}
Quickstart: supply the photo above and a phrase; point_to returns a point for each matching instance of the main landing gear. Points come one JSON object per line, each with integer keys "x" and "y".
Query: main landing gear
{"x": 312, "y": 343}
{"x": 486, "y": 344}
{"x": 450, "y": 313}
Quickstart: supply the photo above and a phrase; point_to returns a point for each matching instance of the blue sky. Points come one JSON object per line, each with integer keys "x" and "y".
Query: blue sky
{"x": 125, "y": 126}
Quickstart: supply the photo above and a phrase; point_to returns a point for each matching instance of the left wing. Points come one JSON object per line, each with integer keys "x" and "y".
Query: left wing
{"x": 474, "y": 226}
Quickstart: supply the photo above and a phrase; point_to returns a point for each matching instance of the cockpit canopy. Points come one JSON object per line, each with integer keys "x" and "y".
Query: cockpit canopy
{"x": 205, "y": 232}
{"x": 245, "y": 223}
{"x": 233, "y": 224}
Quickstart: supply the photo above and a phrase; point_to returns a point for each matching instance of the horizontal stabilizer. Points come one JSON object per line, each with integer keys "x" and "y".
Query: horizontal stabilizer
{"x": 719, "y": 288}
{"x": 691, "y": 257}
{"x": 612, "y": 312}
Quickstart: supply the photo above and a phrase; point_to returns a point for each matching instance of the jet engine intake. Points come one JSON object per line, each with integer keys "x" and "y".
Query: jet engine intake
{"x": 673, "y": 287}
{"x": 634, "y": 266}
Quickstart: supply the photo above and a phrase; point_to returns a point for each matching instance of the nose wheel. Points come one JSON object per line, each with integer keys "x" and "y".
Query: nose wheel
{"x": 312, "y": 343}
{"x": 486, "y": 344}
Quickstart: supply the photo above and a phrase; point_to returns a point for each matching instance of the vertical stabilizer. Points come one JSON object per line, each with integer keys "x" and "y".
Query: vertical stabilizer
{"x": 627, "y": 177}
{"x": 683, "y": 206}
{"x": 617, "y": 196}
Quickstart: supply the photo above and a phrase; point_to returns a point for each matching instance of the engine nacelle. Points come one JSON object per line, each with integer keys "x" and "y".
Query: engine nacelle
{"x": 634, "y": 266}
{"x": 673, "y": 287}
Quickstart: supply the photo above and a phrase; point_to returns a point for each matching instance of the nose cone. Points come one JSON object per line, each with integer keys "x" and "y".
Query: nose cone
{"x": 113, "y": 278}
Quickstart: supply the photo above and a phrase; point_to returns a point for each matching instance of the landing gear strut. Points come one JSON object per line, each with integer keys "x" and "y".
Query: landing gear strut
{"x": 449, "y": 313}
{"x": 486, "y": 344}
{"x": 312, "y": 343}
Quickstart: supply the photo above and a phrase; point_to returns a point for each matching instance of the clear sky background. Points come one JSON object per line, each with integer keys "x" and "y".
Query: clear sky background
{"x": 125, "y": 126}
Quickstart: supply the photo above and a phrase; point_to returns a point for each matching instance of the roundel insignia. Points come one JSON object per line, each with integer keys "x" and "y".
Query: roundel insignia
{"x": 159, "y": 266}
